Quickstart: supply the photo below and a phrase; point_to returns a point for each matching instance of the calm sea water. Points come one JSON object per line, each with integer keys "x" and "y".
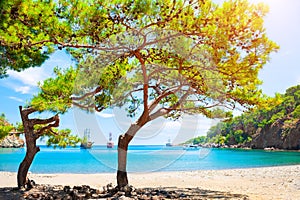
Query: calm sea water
{"x": 99, "y": 159}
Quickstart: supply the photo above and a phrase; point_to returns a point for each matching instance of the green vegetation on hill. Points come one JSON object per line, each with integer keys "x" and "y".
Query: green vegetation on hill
{"x": 242, "y": 129}
{"x": 197, "y": 140}
{"x": 5, "y": 127}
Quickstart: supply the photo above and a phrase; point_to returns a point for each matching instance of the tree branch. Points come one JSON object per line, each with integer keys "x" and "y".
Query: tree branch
{"x": 160, "y": 112}
{"x": 26, "y": 111}
{"x": 44, "y": 121}
{"x": 48, "y": 127}
{"x": 164, "y": 94}
{"x": 146, "y": 81}
{"x": 97, "y": 90}
{"x": 84, "y": 106}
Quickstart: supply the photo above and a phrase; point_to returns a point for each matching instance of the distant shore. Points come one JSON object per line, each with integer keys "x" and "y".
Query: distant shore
{"x": 241, "y": 146}
{"x": 281, "y": 182}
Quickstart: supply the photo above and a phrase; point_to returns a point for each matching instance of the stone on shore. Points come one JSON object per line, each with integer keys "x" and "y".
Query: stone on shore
{"x": 113, "y": 193}
{"x": 12, "y": 141}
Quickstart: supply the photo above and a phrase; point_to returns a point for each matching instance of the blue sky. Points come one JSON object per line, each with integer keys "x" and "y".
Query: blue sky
{"x": 283, "y": 71}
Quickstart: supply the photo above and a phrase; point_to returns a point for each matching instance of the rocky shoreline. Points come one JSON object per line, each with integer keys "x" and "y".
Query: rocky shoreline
{"x": 109, "y": 192}
{"x": 242, "y": 146}
{"x": 12, "y": 141}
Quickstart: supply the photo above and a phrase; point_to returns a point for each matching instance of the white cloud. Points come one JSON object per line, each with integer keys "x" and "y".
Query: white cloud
{"x": 26, "y": 81}
{"x": 30, "y": 76}
{"x": 16, "y": 99}
{"x": 105, "y": 115}
{"x": 23, "y": 89}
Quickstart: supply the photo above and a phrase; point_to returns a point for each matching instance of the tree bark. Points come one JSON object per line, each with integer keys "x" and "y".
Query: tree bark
{"x": 31, "y": 136}
{"x": 31, "y": 150}
{"x": 123, "y": 143}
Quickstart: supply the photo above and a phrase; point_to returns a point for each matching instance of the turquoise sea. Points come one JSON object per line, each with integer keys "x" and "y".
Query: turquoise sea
{"x": 99, "y": 159}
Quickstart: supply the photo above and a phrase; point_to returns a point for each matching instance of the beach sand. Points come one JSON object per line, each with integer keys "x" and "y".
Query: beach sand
{"x": 256, "y": 183}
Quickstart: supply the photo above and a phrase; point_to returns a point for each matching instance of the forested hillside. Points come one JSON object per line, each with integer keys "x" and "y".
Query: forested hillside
{"x": 8, "y": 136}
{"x": 5, "y": 127}
{"x": 278, "y": 127}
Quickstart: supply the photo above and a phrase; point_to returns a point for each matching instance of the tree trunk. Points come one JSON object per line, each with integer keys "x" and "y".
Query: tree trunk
{"x": 31, "y": 136}
{"x": 123, "y": 143}
{"x": 31, "y": 150}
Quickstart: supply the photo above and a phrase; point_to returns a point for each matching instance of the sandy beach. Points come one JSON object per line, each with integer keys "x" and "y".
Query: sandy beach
{"x": 256, "y": 183}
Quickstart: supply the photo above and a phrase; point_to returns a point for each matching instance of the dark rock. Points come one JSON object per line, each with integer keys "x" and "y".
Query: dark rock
{"x": 32, "y": 182}
{"x": 88, "y": 194}
{"x": 74, "y": 193}
{"x": 67, "y": 197}
{"x": 107, "y": 195}
{"x": 78, "y": 188}
{"x": 29, "y": 184}
{"x": 127, "y": 189}
{"x": 48, "y": 197}
{"x": 85, "y": 188}
{"x": 67, "y": 189}
{"x": 93, "y": 191}
{"x": 140, "y": 191}
{"x": 182, "y": 195}
{"x": 275, "y": 136}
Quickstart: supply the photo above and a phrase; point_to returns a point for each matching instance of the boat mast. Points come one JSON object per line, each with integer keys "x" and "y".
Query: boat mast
{"x": 87, "y": 134}
{"x": 110, "y": 137}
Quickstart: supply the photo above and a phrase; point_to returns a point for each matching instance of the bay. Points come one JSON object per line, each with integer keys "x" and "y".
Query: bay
{"x": 148, "y": 158}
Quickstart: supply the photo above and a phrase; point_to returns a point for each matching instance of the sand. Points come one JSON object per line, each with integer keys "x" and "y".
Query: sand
{"x": 257, "y": 183}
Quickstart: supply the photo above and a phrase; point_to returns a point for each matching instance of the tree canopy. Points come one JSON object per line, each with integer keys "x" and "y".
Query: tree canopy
{"x": 20, "y": 35}
{"x": 180, "y": 56}
{"x": 243, "y": 128}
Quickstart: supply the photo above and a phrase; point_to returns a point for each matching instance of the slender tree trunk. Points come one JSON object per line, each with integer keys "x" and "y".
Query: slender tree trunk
{"x": 31, "y": 150}
{"x": 31, "y": 136}
{"x": 123, "y": 143}
{"x": 122, "y": 179}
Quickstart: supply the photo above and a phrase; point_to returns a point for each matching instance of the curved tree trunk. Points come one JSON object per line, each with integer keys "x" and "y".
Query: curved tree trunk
{"x": 31, "y": 150}
{"x": 31, "y": 136}
{"x": 123, "y": 143}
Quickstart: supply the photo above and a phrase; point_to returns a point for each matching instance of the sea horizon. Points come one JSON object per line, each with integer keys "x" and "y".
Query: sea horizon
{"x": 144, "y": 158}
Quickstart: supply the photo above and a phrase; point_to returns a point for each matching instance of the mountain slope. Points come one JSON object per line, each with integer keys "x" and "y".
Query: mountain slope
{"x": 278, "y": 127}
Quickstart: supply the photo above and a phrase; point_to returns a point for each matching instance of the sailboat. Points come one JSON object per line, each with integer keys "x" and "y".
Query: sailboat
{"x": 86, "y": 141}
{"x": 169, "y": 143}
{"x": 110, "y": 143}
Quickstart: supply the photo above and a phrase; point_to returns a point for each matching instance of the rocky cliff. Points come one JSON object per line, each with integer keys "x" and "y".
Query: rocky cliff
{"x": 278, "y": 136}
{"x": 11, "y": 141}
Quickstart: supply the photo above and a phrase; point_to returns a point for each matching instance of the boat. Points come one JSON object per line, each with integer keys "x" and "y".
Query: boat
{"x": 169, "y": 143}
{"x": 191, "y": 147}
{"x": 110, "y": 143}
{"x": 86, "y": 142}
{"x": 86, "y": 145}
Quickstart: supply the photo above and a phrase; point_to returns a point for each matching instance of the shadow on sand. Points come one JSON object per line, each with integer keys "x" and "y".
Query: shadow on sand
{"x": 111, "y": 193}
